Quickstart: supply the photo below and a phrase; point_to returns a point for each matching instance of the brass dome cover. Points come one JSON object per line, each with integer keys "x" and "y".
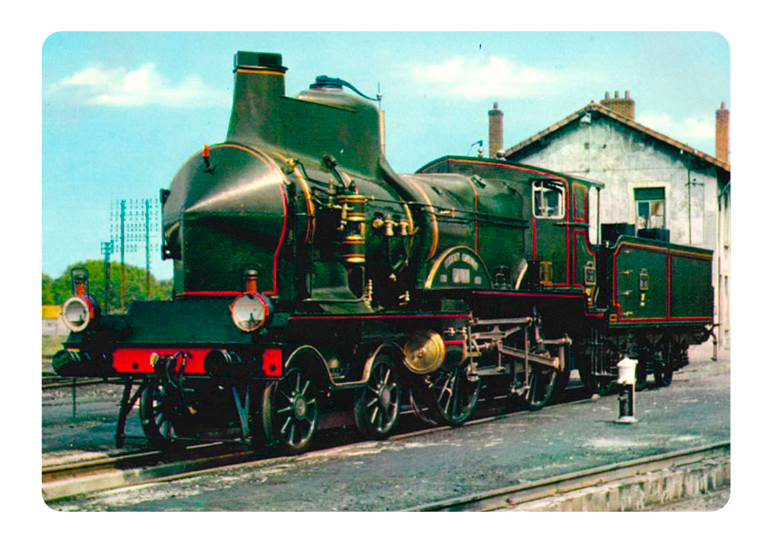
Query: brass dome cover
{"x": 425, "y": 352}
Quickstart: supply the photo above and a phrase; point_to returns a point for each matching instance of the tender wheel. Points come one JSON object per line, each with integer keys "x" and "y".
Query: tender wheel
{"x": 664, "y": 369}
{"x": 161, "y": 412}
{"x": 663, "y": 377}
{"x": 641, "y": 373}
{"x": 290, "y": 411}
{"x": 540, "y": 386}
{"x": 452, "y": 395}
{"x": 377, "y": 407}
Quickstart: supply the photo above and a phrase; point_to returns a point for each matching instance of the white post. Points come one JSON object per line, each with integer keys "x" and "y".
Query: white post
{"x": 627, "y": 396}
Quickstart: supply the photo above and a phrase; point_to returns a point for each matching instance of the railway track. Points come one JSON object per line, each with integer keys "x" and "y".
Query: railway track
{"x": 123, "y": 470}
{"x": 634, "y": 478}
{"x": 93, "y": 475}
{"x": 51, "y": 380}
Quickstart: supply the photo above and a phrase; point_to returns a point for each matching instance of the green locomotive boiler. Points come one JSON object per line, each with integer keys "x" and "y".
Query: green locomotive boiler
{"x": 313, "y": 283}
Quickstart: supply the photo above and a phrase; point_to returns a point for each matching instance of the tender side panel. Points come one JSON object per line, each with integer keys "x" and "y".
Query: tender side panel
{"x": 640, "y": 284}
{"x": 655, "y": 282}
{"x": 691, "y": 291}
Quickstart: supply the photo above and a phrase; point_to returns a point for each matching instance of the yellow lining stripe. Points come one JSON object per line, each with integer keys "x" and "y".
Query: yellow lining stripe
{"x": 665, "y": 249}
{"x": 245, "y": 71}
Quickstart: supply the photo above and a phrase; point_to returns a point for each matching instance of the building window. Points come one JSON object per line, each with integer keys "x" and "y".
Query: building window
{"x": 547, "y": 200}
{"x": 650, "y": 207}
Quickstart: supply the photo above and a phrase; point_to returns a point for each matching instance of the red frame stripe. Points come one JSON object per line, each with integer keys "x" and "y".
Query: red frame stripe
{"x": 124, "y": 359}
{"x": 345, "y": 317}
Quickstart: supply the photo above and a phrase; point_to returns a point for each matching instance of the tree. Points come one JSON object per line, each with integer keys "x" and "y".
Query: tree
{"x": 48, "y": 294}
{"x": 56, "y": 291}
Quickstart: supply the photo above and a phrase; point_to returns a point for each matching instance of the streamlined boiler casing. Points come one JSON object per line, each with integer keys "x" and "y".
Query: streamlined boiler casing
{"x": 223, "y": 219}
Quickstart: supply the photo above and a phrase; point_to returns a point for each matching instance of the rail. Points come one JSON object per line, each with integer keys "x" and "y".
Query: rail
{"x": 74, "y": 478}
{"x": 510, "y": 497}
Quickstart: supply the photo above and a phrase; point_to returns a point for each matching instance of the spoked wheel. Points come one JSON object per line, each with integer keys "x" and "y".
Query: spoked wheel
{"x": 452, "y": 395}
{"x": 377, "y": 407}
{"x": 534, "y": 382}
{"x": 290, "y": 411}
{"x": 541, "y": 383}
{"x": 161, "y": 412}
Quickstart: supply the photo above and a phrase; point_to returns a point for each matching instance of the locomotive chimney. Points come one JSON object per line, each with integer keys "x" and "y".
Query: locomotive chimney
{"x": 723, "y": 134}
{"x": 259, "y": 83}
{"x": 622, "y": 106}
{"x": 495, "y": 130}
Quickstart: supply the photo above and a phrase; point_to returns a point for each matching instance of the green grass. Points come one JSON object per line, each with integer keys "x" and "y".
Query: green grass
{"x": 51, "y": 344}
{"x": 48, "y": 347}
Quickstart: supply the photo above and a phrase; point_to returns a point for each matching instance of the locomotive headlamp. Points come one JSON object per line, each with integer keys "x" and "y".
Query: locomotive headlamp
{"x": 79, "y": 277}
{"x": 78, "y": 313}
{"x": 250, "y": 311}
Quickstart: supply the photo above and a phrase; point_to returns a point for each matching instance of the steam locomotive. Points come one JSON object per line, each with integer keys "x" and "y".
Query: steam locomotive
{"x": 311, "y": 279}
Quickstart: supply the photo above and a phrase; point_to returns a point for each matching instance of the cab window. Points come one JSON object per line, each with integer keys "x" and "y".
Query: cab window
{"x": 547, "y": 200}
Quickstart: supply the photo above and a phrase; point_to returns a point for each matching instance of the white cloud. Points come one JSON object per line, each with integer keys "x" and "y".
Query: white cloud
{"x": 144, "y": 86}
{"x": 691, "y": 131}
{"x": 493, "y": 77}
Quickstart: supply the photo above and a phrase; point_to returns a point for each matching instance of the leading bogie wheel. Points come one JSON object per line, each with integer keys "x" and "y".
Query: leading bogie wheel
{"x": 377, "y": 405}
{"x": 452, "y": 395}
{"x": 290, "y": 411}
{"x": 160, "y": 412}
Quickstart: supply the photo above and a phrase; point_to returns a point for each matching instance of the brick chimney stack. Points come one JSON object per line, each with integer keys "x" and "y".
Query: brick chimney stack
{"x": 495, "y": 131}
{"x": 723, "y": 134}
{"x": 622, "y": 106}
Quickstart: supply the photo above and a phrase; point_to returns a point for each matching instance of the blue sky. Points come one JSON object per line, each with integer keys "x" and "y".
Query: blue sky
{"x": 121, "y": 112}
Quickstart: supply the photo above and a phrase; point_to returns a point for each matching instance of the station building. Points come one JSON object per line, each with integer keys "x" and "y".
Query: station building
{"x": 651, "y": 180}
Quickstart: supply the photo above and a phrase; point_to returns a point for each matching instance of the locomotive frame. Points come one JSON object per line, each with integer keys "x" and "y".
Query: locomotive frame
{"x": 310, "y": 278}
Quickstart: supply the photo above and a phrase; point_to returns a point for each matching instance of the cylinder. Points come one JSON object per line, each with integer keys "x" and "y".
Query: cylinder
{"x": 425, "y": 352}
